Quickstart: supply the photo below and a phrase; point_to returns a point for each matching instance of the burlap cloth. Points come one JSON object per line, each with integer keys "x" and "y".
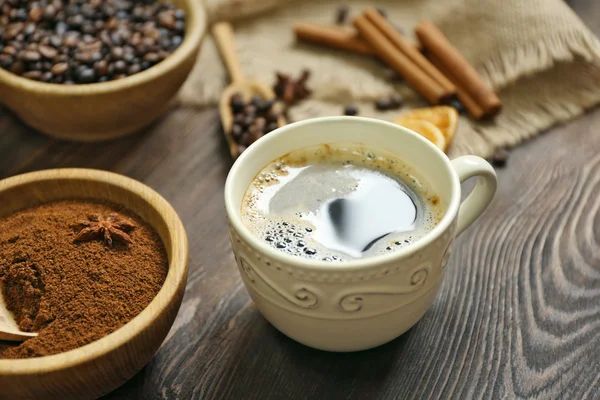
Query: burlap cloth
{"x": 537, "y": 53}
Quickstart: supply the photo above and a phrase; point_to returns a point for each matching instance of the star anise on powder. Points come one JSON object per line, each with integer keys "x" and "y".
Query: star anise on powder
{"x": 291, "y": 90}
{"x": 108, "y": 229}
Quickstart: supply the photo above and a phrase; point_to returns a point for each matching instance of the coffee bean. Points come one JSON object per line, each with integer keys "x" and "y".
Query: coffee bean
{"x": 46, "y": 76}
{"x": 6, "y": 61}
{"x": 245, "y": 139}
{"x": 265, "y": 106}
{"x": 500, "y": 158}
{"x": 341, "y": 14}
{"x": 29, "y": 29}
{"x": 240, "y": 148}
{"x": 35, "y": 75}
{"x": 457, "y": 105}
{"x": 60, "y": 68}
{"x": 179, "y": 14}
{"x": 30, "y": 55}
{"x": 176, "y": 41}
{"x": 84, "y": 57}
{"x": 166, "y": 19}
{"x": 117, "y": 53}
{"x": 255, "y": 133}
{"x": 396, "y": 101}
{"x": 151, "y": 57}
{"x": 55, "y": 41}
{"x": 382, "y": 104}
{"x": 47, "y": 51}
{"x": 271, "y": 127}
{"x": 60, "y": 28}
{"x": 35, "y": 13}
{"x": 350, "y": 110}
{"x": 86, "y": 75}
{"x": 236, "y": 131}
{"x": 236, "y": 103}
{"x": 70, "y": 41}
{"x": 18, "y": 67}
{"x": 134, "y": 69}
{"x": 50, "y": 12}
{"x": 101, "y": 68}
{"x": 240, "y": 119}
{"x": 248, "y": 119}
{"x": 250, "y": 109}
{"x": 120, "y": 66}
{"x": 21, "y": 15}
{"x": 10, "y": 50}
{"x": 260, "y": 122}
{"x": 180, "y": 26}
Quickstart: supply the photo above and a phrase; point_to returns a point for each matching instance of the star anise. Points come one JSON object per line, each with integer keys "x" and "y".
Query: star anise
{"x": 109, "y": 229}
{"x": 291, "y": 90}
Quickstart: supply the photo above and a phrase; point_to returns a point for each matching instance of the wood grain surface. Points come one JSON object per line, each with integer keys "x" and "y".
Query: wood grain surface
{"x": 518, "y": 315}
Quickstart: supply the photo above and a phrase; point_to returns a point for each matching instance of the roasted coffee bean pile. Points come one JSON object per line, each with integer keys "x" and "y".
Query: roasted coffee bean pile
{"x": 291, "y": 90}
{"x": 251, "y": 120}
{"x": 86, "y": 41}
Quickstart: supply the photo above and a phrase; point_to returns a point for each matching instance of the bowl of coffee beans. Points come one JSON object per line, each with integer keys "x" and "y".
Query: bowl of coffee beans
{"x": 92, "y": 70}
{"x": 96, "y": 264}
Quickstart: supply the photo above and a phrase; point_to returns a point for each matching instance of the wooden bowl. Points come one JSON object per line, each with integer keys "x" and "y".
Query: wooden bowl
{"x": 103, "y": 111}
{"x": 101, "y": 366}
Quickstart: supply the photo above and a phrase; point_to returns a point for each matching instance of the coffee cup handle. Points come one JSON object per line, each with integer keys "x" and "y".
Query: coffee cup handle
{"x": 477, "y": 201}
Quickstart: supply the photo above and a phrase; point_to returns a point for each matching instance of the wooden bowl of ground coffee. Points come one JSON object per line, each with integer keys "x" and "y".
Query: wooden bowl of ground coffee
{"x": 79, "y": 104}
{"x": 108, "y": 245}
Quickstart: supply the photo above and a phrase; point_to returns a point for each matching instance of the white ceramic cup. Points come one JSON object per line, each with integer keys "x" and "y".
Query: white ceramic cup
{"x": 363, "y": 303}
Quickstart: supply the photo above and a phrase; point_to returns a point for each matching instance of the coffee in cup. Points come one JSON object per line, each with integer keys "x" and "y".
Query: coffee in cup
{"x": 340, "y": 202}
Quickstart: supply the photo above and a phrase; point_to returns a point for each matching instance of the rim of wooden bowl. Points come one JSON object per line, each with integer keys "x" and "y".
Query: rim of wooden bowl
{"x": 175, "y": 277}
{"x": 196, "y": 23}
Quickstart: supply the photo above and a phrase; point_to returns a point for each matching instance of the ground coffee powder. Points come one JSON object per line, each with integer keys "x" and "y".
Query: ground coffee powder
{"x": 75, "y": 271}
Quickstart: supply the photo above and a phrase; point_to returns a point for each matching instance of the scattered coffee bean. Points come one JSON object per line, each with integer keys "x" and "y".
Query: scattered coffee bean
{"x": 251, "y": 120}
{"x": 392, "y": 102}
{"x": 500, "y": 158}
{"x": 88, "y": 40}
{"x": 382, "y": 104}
{"x": 457, "y": 105}
{"x": 351, "y": 110}
{"x": 341, "y": 14}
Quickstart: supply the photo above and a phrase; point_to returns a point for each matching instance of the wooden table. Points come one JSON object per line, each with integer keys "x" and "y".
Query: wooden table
{"x": 518, "y": 314}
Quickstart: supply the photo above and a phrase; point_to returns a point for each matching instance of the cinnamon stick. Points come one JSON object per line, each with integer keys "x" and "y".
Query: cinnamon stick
{"x": 465, "y": 98}
{"x": 340, "y": 38}
{"x": 395, "y": 59}
{"x": 465, "y": 75}
{"x": 409, "y": 50}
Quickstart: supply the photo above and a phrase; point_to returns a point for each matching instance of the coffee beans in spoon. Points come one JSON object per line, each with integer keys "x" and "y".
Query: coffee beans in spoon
{"x": 86, "y": 41}
{"x": 251, "y": 120}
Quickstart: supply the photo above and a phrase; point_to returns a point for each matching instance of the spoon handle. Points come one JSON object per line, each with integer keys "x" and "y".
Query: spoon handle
{"x": 223, "y": 34}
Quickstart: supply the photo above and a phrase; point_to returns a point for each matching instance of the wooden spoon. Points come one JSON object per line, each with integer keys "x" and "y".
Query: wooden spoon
{"x": 223, "y": 34}
{"x": 8, "y": 327}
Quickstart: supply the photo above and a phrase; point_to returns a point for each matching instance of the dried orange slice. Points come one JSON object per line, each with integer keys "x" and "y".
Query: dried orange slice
{"x": 427, "y": 130}
{"x": 444, "y": 117}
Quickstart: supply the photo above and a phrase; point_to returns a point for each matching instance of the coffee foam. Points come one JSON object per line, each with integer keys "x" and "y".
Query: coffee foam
{"x": 281, "y": 203}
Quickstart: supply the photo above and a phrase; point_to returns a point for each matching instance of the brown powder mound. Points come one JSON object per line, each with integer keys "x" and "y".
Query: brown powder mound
{"x": 74, "y": 292}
